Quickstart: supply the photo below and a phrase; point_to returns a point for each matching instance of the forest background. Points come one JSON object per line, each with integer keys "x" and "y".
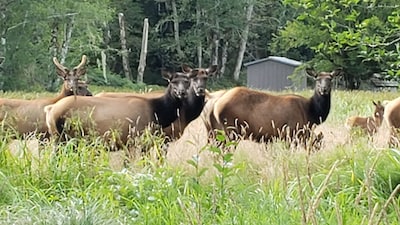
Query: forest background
{"x": 362, "y": 37}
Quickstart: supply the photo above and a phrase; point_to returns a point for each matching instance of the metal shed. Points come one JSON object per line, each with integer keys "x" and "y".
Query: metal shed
{"x": 272, "y": 74}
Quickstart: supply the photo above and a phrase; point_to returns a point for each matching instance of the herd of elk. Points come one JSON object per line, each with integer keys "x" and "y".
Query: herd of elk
{"x": 240, "y": 112}
{"x": 27, "y": 116}
{"x": 368, "y": 125}
{"x": 261, "y": 116}
{"x": 122, "y": 117}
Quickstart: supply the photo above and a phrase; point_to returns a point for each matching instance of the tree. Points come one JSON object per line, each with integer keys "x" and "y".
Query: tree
{"x": 362, "y": 37}
{"x": 243, "y": 42}
{"x": 35, "y": 31}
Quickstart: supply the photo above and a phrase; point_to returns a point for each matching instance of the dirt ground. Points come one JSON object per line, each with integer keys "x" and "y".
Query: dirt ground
{"x": 189, "y": 146}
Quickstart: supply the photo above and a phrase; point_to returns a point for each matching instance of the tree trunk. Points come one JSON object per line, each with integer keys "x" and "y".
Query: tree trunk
{"x": 176, "y": 28}
{"x": 224, "y": 58}
{"x": 215, "y": 40}
{"x": 67, "y": 40}
{"x": 200, "y": 54}
{"x": 198, "y": 30}
{"x": 243, "y": 42}
{"x": 50, "y": 86}
{"x": 104, "y": 65}
{"x": 143, "y": 52}
{"x": 106, "y": 35}
{"x": 124, "y": 50}
{"x": 2, "y": 58}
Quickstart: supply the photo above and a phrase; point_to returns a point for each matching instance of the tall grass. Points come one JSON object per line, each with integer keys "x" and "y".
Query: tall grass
{"x": 352, "y": 182}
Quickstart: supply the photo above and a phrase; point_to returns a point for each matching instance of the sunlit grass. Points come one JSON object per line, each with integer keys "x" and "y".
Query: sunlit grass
{"x": 352, "y": 182}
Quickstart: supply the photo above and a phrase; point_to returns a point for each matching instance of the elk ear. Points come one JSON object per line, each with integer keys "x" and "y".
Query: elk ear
{"x": 311, "y": 72}
{"x": 79, "y": 71}
{"x": 373, "y": 102}
{"x": 337, "y": 72}
{"x": 186, "y": 68}
{"x": 193, "y": 73}
{"x": 212, "y": 69}
{"x": 166, "y": 75}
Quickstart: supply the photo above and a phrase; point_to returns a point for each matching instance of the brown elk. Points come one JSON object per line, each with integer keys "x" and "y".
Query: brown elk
{"x": 392, "y": 118}
{"x": 261, "y": 116}
{"x": 192, "y": 105}
{"x": 369, "y": 125}
{"x": 27, "y": 116}
{"x": 105, "y": 115}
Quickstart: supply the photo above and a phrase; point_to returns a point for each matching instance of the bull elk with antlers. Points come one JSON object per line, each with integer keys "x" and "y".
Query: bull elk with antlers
{"x": 27, "y": 116}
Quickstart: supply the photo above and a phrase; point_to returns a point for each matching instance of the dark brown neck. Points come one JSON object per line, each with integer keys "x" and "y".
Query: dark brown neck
{"x": 320, "y": 106}
{"x": 165, "y": 108}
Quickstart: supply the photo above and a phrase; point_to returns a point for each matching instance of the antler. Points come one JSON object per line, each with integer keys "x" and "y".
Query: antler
{"x": 83, "y": 62}
{"x": 58, "y": 65}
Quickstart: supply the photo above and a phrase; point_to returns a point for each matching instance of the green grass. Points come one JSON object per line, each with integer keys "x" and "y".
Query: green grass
{"x": 351, "y": 183}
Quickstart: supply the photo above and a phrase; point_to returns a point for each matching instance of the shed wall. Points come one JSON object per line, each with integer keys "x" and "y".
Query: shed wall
{"x": 270, "y": 75}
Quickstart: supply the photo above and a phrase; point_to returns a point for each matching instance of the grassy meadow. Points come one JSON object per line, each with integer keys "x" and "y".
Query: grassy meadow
{"x": 353, "y": 179}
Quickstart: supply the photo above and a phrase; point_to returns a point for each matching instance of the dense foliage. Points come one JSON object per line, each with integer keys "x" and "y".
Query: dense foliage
{"x": 360, "y": 36}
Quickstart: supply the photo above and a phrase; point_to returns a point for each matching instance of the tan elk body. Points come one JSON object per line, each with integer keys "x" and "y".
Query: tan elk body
{"x": 27, "y": 116}
{"x": 392, "y": 118}
{"x": 369, "y": 125}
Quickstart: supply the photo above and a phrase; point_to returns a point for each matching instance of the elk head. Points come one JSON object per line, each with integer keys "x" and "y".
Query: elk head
{"x": 323, "y": 80}
{"x": 200, "y": 76}
{"x": 178, "y": 83}
{"x": 71, "y": 77}
{"x": 379, "y": 110}
{"x": 82, "y": 89}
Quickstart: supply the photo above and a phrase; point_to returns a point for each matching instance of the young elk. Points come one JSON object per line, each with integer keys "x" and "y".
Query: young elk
{"x": 27, "y": 116}
{"x": 261, "y": 116}
{"x": 392, "y": 118}
{"x": 370, "y": 124}
{"x": 192, "y": 105}
{"x": 105, "y": 115}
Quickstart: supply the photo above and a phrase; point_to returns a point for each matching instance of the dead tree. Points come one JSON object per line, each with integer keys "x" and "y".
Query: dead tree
{"x": 243, "y": 42}
{"x": 143, "y": 52}
{"x": 124, "y": 50}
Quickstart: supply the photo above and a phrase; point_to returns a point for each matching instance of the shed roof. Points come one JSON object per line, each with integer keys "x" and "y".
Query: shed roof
{"x": 384, "y": 83}
{"x": 279, "y": 59}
